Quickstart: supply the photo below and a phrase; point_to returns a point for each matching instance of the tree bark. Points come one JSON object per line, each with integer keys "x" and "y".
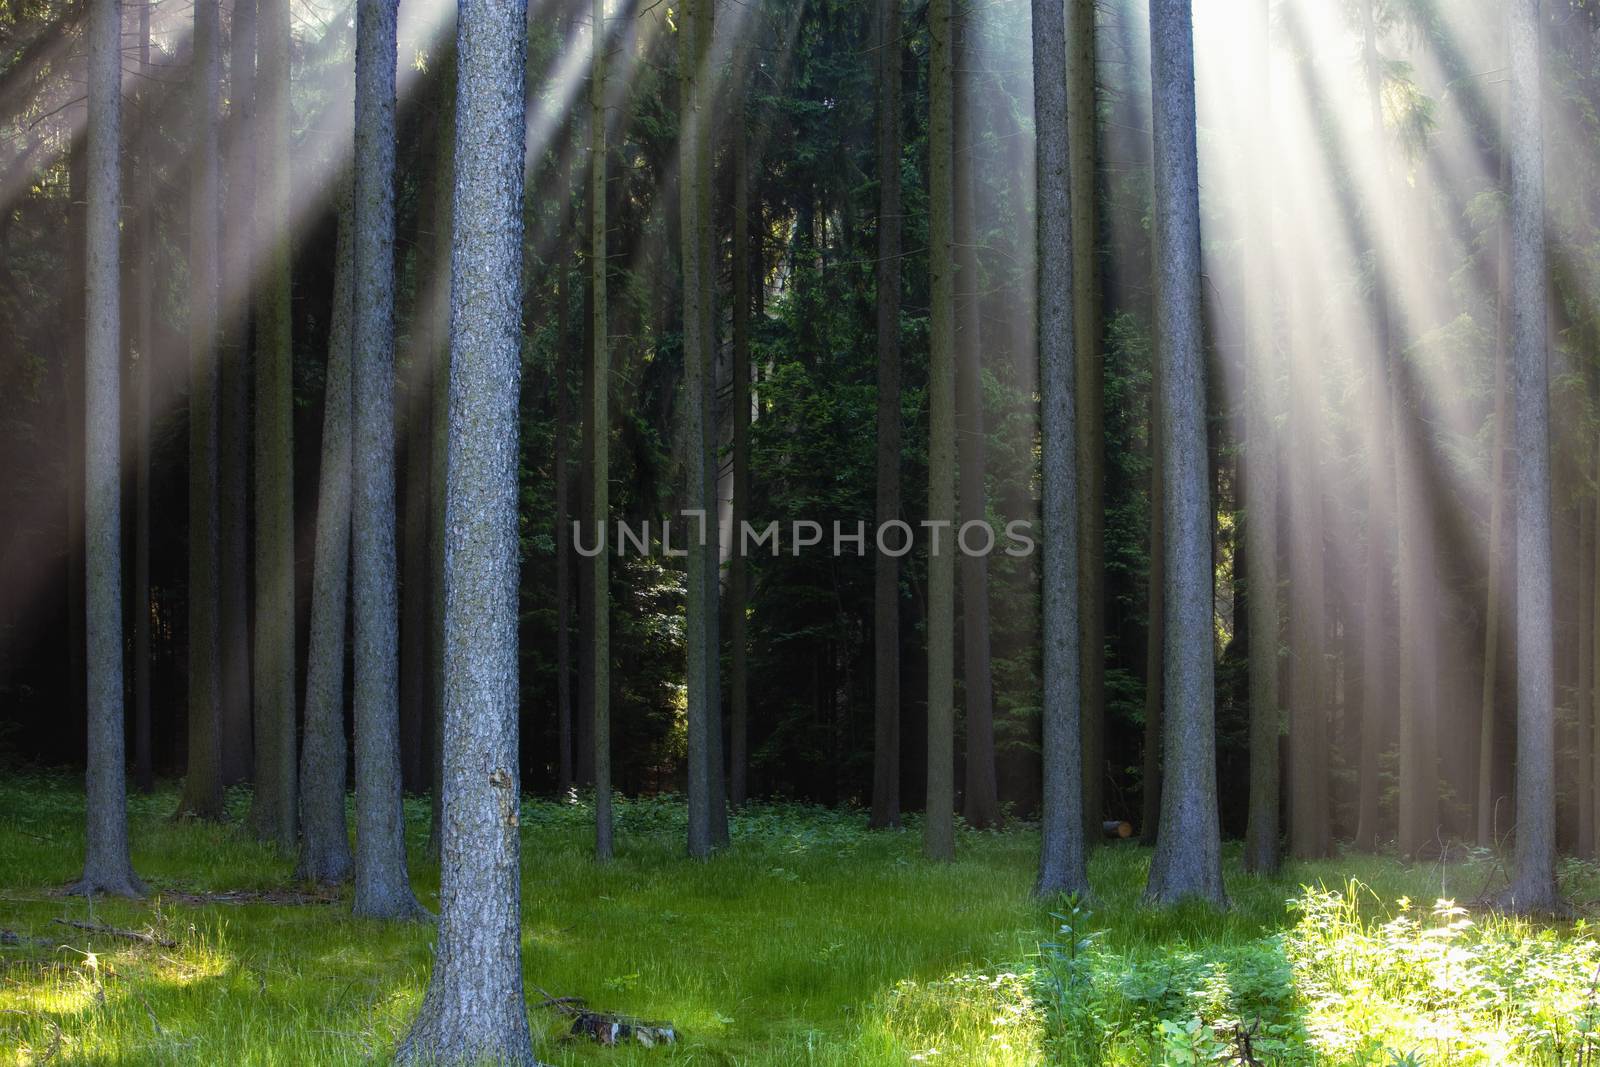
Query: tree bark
{"x": 563, "y": 493}
{"x": 980, "y": 797}
{"x": 1082, "y": 108}
{"x": 1188, "y": 855}
{"x": 1155, "y": 641}
{"x": 474, "y": 1010}
{"x": 886, "y": 568}
{"x": 276, "y": 810}
{"x": 382, "y": 888}
{"x": 1062, "y": 864}
{"x": 106, "y": 864}
{"x": 938, "y": 835}
{"x": 233, "y": 480}
{"x": 325, "y": 836}
{"x": 601, "y": 469}
{"x": 738, "y": 572}
{"x": 144, "y": 343}
{"x": 1533, "y": 886}
{"x": 202, "y": 785}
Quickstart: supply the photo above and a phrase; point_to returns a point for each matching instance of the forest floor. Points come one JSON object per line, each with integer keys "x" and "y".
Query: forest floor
{"x": 809, "y": 941}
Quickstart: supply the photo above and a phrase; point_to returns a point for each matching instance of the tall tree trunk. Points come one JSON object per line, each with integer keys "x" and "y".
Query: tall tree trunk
{"x": 474, "y": 1009}
{"x": 563, "y": 493}
{"x": 601, "y": 469}
{"x": 233, "y": 479}
{"x": 106, "y": 865}
{"x": 886, "y": 567}
{"x": 1082, "y": 110}
{"x": 382, "y": 887}
{"x": 1494, "y": 621}
{"x": 980, "y": 799}
{"x": 76, "y": 709}
{"x": 1583, "y": 790}
{"x": 1533, "y": 884}
{"x": 694, "y": 117}
{"x": 1188, "y": 856}
{"x": 325, "y": 837}
{"x": 1062, "y": 861}
{"x": 202, "y": 785}
{"x": 1378, "y": 691}
{"x": 1308, "y": 676}
{"x": 1261, "y": 477}
{"x": 938, "y": 833}
{"x": 738, "y": 581}
{"x": 586, "y": 594}
{"x": 276, "y": 810}
{"x": 144, "y": 342}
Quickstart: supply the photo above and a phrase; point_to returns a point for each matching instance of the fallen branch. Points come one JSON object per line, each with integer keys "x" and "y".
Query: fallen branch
{"x": 605, "y": 1028}
{"x": 131, "y": 935}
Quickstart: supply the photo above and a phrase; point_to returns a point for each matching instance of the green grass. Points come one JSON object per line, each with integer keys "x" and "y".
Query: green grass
{"x": 810, "y": 941}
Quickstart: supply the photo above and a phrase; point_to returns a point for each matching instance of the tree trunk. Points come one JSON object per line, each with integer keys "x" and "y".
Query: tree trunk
{"x": 694, "y": 117}
{"x": 1062, "y": 866}
{"x": 938, "y": 834}
{"x": 886, "y": 567}
{"x": 233, "y": 480}
{"x": 106, "y": 865}
{"x": 1188, "y": 856}
{"x": 382, "y": 890}
{"x": 275, "y": 815}
{"x": 325, "y": 837}
{"x": 738, "y": 582}
{"x": 980, "y": 799}
{"x": 1583, "y": 792}
{"x": 202, "y": 785}
{"x": 144, "y": 342}
{"x": 563, "y": 492}
{"x": 474, "y": 1010}
{"x": 1082, "y": 108}
{"x": 1533, "y": 886}
{"x": 601, "y": 469}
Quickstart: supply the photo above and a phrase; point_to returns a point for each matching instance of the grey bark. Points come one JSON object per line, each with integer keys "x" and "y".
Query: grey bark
{"x": 1188, "y": 856}
{"x": 474, "y": 1010}
{"x": 1155, "y": 629}
{"x": 886, "y": 568}
{"x": 106, "y": 864}
{"x": 382, "y": 888}
{"x": 202, "y": 784}
{"x": 1533, "y": 886}
{"x": 276, "y": 810}
{"x": 1089, "y": 400}
{"x": 145, "y": 344}
{"x": 563, "y": 493}
{"x": 1261, "y": 853}
{"x": 1062, "y": 866}
{"x": 980, "y": 795}
{"x": 325, "y": 836}
{"x": 697, "y": 363}
{"x": 233, "y": 432}
{"x": 601, "y": 472}
{"x": 938, "y": 835}
{"x": 738, "y": 580}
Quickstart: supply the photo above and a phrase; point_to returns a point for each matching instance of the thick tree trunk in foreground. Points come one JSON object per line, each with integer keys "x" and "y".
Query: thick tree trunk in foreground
{"x": 1533, "y": 886}
{"x": 325, "y": 837}
{"x": 980, "y": 795}
{"x": 202, "y": 784}
{"x": 1062, "y": 865}
{"x": 233, "y": 432}
{"x": 276, "y": 811}
{"x": 1261, "y": 486}
{"x": 383, "y": 890}
{"x": 1188, "y": 856}
{"x": 106, "y": 866}
{"x": 938, "y": 834}
{"x": 144, "y": 342}
{"x": 601, "y": 471}
{"x": 886, "y": 568}
{"x": 474, "y": 1009}
{"x": 1089, "y": 400}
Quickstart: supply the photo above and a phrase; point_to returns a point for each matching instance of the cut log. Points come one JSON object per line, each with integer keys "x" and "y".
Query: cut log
{"x": 1113, "y": 828}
